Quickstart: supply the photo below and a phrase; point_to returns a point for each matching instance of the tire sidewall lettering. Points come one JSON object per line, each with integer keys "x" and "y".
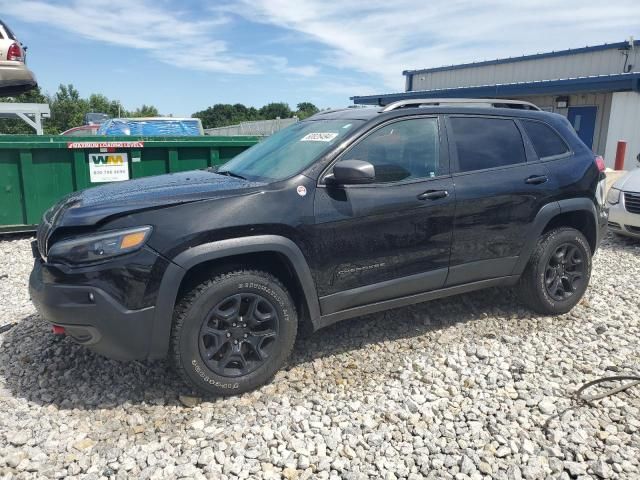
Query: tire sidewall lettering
{"x": 266, "y": 289}
{"x": 202, "y": 374}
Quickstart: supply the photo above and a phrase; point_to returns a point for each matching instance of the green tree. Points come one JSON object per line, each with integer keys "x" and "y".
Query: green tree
{"x": 305, "y": 110}
{"x": 99, "y": 103}
{"x": 144, "y": 111}
{"x": 67, "y": 108}
{"x": 223, "y": 114}
{"x": 275, "y": 110}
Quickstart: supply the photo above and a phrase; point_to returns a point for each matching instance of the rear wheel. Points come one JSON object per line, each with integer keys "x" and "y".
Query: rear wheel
{"x": 232, "y": 333}
{"x": 558, "y": 272}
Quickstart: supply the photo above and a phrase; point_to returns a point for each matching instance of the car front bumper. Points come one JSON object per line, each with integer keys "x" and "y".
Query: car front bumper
{"x": 622, "y": 221}
{"x": 91, "y": 316}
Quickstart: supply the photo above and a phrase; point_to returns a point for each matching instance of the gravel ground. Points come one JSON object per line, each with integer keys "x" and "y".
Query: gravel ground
{"x": 456, "y": 388}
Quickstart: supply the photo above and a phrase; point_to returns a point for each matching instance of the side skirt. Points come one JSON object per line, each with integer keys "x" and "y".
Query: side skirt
{"x": 326, "y": 320}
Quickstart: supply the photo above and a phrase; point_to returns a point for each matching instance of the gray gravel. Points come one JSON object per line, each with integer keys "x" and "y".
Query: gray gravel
{"x": 457, "y": 388}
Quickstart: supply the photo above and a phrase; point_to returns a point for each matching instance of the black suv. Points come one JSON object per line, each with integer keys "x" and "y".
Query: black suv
{"x": 350, "y": 212}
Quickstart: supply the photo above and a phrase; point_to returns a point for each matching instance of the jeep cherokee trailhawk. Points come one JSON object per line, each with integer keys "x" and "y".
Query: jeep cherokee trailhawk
{"x": 349, "y": 212}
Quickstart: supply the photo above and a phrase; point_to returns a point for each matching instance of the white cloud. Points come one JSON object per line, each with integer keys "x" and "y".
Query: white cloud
{"x": 379, "y": 38}
{"x": 157, "y": 27}
{"x": 384, "y": 38}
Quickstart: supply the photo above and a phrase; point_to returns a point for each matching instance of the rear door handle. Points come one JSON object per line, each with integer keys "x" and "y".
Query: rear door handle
{"x": 536, "y": 179}
{"x": 433, "y": 195}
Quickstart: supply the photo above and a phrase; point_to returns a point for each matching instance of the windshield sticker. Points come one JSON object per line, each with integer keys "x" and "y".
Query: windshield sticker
{"x": 319, "y": 137}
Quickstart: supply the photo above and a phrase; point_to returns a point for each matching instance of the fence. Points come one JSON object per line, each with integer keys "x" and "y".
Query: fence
{"x": 259, "y": 128}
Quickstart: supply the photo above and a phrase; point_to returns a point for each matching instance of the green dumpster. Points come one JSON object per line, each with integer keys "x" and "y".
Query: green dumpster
{"x": 36, "y": 171}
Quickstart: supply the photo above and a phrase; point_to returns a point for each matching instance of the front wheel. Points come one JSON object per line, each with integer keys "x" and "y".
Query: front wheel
{"x": 232, "y": 333}
{"x": 558, "y": 272}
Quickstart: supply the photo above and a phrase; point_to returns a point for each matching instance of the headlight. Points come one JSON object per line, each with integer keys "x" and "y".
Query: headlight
{"x": 613, "y": 196}
{"x": 92, "y": 248}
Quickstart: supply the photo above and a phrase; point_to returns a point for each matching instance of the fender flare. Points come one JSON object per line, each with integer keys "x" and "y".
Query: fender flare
{"x": 173, "y": 276}
{"x": 544, "y": 216}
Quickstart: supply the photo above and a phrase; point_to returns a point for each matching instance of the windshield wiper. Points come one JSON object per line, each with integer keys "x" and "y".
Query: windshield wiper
{"x": 231, "y": 174}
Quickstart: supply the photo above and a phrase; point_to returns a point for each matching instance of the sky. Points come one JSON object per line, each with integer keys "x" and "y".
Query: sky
{"x": 185, "y": 55}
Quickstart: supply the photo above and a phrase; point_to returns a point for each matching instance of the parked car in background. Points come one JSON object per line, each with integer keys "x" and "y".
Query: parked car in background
{"x": 82, "y": 131}
{"x": 624, "y": 205}
{"x": 94, "y": 118}
{"x": 15, "y": 77}
{"x": 152, "y": 126}
{"x": 347, "y": 213}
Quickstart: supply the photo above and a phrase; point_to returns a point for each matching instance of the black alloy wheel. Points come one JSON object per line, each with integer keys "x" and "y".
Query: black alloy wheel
{"x": 564, "y": 272}
{"x": 238, "y": 335}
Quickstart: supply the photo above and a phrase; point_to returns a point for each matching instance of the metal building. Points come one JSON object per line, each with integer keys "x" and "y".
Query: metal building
{"x": 597, "y": 88}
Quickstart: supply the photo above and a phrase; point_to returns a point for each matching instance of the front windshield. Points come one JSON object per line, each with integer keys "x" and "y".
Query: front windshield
{"x": 289, "y": 151}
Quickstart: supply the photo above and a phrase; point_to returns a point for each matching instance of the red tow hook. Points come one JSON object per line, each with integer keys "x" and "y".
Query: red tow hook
{"x": 58, "y": 330}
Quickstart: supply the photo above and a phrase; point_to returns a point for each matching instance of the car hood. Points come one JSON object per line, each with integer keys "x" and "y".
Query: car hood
{"x": 630, "y": 182}
{"x": 90, "y": 206}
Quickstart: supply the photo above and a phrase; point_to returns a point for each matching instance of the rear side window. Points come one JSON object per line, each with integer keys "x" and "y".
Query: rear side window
{"x": 546, "y": 142}
{"x": 487, "y": 143}
{"x": 7, "y": 30}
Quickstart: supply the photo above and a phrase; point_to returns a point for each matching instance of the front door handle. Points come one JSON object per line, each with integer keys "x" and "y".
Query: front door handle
{"x": 433, "y": 195}
{"x": 536, "y": 179}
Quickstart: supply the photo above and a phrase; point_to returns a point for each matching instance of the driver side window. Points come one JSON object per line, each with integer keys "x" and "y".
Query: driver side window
{"x": 401, "y": 150}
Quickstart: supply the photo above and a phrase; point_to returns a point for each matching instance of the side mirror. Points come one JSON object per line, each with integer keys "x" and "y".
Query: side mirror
{"x": 352, "y": 172}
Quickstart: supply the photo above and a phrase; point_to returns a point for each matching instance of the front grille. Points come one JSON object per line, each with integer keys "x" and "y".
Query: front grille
{"x": 632, "y": 202}
{"x": 633, "y": 229}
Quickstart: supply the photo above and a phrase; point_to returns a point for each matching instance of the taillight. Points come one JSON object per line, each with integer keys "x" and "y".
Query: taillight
{"x": 600, "y": 163}
{"x": 14, "y": 53}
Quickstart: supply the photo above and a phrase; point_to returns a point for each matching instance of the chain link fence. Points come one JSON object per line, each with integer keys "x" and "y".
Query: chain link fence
{"x": 260, "y": 128}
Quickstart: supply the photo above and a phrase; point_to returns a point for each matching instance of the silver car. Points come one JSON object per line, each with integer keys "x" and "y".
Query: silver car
{"x": 15, "y": 77}
{"x": 623, "y": 201}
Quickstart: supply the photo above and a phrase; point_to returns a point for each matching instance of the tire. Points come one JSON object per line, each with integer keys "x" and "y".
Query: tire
{"x": 233, "y": 332}
{"x": 539, "y": 287}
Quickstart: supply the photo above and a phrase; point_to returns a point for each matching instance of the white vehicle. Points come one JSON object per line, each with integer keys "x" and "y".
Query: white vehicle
{"x": 15, "y": 77}
{"x": 623, "y": 201}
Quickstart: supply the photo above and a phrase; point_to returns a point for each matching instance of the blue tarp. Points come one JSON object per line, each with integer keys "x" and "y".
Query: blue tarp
{"x": 149, "y": 127}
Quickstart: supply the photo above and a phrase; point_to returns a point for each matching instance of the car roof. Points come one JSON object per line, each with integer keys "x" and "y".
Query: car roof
{"x": 351, "y": 113}
{"x": 369, "y": 113}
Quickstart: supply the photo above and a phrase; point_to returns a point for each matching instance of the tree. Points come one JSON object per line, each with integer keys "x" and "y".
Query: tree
{"x": 101, "y": 104}
{"x": 145, "y": 111}
{"x": 68, "y": 109}
{"x": 275, "y": 110}
{"x": 305, "y": 110}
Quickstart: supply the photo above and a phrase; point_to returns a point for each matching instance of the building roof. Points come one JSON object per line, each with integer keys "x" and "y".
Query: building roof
{"x": 599, "y": 83}
{"x": 535, "y": 56}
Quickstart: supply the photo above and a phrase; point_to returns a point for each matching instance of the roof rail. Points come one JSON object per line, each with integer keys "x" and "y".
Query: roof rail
{"x": 467, "y": 102}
